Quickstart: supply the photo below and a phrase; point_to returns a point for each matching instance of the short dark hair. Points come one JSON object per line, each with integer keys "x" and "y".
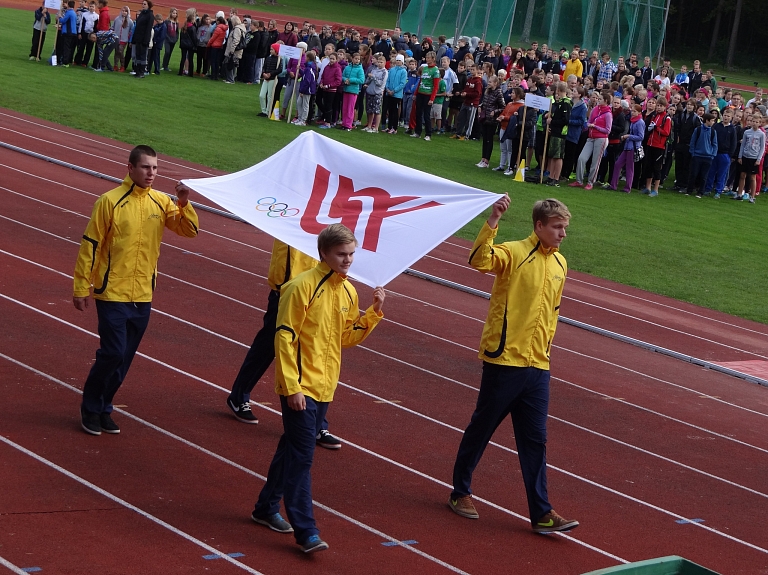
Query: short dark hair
{"x": 71, "y": 4}
{"x": 138, "y": 152}
{"x": 149, "y": 3}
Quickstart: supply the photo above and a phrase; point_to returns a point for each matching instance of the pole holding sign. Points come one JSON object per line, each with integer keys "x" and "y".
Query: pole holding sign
{"x": 292, "y": 53}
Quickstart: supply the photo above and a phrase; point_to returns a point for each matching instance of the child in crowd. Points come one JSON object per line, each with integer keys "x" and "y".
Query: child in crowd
{"x": 703, "y": 149}
{"x": 492, "y": 106}
{"x": 42, "y": 21}
{"x": 557, "y": 121}
{"x": 472, "y": 95}
{"x": 750, "y": 155}
{"x": 411, "y": 83}
{"x": 352, "y": 78}
{"x": 726, "y": 147}
{"x": 393, "y": 95}
{"x": 158, "y": 39}
{"x": 330, "y": 81}
{"x": 273, "y": 65}
{"x": 436, "y": 114}
{"x": 511, "y": 123}
{"x": 659, "y": 127}
{"x": 307, "y": 87}
{"x": 376, "y": 81}
{"x": 632, "y": 141}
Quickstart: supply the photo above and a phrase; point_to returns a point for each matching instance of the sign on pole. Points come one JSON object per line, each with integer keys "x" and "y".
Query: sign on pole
{"x": 538, "y": 102}
{"x": 290, "y": 52}
{"x": 53, "y": 4}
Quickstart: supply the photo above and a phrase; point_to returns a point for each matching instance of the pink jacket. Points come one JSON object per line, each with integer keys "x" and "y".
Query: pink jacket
{"x": 602, "y": 118}
{"x": 331, "y": 77}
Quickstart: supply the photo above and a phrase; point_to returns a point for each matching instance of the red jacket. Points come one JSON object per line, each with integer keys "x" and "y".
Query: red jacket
{"x": 103, "y": 24}
{"x": 474, "y": 91}
{"x": 659, "y": 135}
{"x": 217, "y": 38}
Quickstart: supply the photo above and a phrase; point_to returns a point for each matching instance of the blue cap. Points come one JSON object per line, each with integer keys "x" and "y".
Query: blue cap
{"x": 409, "y": 53}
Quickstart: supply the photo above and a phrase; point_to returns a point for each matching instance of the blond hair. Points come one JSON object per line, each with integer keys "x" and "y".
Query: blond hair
{"x": 550, "y": 208}
{"x": 334, "y": 235}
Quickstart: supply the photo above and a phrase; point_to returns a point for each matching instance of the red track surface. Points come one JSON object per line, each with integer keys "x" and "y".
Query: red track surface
{"x": 636, "y": 440}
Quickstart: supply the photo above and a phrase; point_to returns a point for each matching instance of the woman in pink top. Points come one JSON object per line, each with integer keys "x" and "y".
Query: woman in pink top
{"x": 599, "y": 126}
{"x": 288, "y": 36}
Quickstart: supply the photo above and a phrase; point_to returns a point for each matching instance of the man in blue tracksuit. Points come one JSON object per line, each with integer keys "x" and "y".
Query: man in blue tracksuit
{"x": 726, "y": 148}
{"x": 703, "y": 150}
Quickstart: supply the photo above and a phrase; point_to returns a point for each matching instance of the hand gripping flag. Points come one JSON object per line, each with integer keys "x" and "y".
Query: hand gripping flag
{"x": 398, "y": 214}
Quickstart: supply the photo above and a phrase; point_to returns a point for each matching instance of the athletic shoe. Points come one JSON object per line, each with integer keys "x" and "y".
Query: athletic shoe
{"x": 462, "y": 138}
{"x": 482, "y": 164}
{"x": 97, "y": 70}
{"x": 356, "y": 123}
{"x": 645, "y": 191}
{"x": 107, "y": 424}
{"x": 716, "y": 196}
{"x": 653, "y": 194}
{"x": 325, "y": 439}
{"x": 627, "y": 191}
{"x": 261, "y": 115}
{"x": 745, "y": 196}
{"x": 427, "y": 139}
{"x": 324, "y": 126}
{"x": 552, "y": 182}
{"x": 314, "y": 543}
{"x": 133, "y": 73}
{"x": 552, "y": 522}
{"x": 735, "y": 196}
{"x": 499, "y": 169}
{"x": 274, "y": 522}
{"x": 751, "y": 200}
{"x": 509, "y": 172}
{"x": 608, "y": 187}
{"x": 576, "y": 184}
{"x": 31, "y": 58}
{"x": 698, "y": 196}
{"x": 463, "y": 506}
{"x": 415, "y": 135}
{"x": 90, "y": 422}
{"x": 242, "y": 412}
{"x": 588, "y": 187}
{"x": 228, "y": 82}
{"x": 453, "y": 137}
{"x": 299, "y": 123}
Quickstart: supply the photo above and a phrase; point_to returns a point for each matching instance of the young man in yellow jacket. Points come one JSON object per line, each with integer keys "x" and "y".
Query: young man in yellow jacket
{"x": 318, "y": 314}
{"x": 118, "y": 259}
{"x": 515, "y": 346}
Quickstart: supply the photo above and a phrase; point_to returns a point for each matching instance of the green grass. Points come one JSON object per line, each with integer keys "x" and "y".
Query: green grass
{"x": 346, "y": 12}
{"x": 707, "y": 252}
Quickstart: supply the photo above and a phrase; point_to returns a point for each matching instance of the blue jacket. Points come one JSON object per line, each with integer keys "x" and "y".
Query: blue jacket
{"x": 159, "y": 38}
{"x": 354, "y": 73}
{"x": 726, "y": 139}
{"x": 396, "y": 80}
{"x": 578, "y": 122}
{"x": 69, "y": 22}
{"x": 412, "y": 82}
{"x": 308, "y": 84}
{"x": 636, "y": 134}
{"x": 704, "y": 142}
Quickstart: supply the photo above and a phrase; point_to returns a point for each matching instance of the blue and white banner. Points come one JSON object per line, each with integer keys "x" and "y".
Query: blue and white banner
{"x": 398, "y": 214}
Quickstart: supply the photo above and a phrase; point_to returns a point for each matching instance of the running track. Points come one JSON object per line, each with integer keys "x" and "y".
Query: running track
{"x": 654, "y": 456}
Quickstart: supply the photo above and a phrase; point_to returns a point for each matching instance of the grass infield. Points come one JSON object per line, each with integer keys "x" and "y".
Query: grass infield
{"x": 708, "y": 252}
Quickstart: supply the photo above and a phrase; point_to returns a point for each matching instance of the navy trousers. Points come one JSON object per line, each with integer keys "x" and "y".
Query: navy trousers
{"x": 523, "y": 393}
{"x": 121, "y": 327}
{"x": 289, "y": 473}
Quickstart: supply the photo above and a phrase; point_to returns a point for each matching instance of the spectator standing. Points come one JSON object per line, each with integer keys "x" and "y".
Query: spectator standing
{"x": 233, "y": 52}
{"x": 67, "y": 35}
{"x": 204, "y": 32}
{"x": 273, "y": 65}
{"x": 631, "y": 142}
{"x": 599, "y": 126}
{"x": 659, "y": 127}
{"x": 142, "y": 36}
{"x": 123, "y": 27}
{"x": 492, "y": 106}
{"x": 425, "y": 96}
{"x": 726, "y": 147}
{"x": 703, "y": 150}
{"x": 42, "y": 21}
{"x": 158, "y": 39}
{"x": 393, "y": 94}
{"x": 215, "y": 47}
{"x": 171, "y": 36}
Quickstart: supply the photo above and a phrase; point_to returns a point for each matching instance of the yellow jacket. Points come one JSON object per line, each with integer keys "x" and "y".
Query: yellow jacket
{"x": 525, "y": 300}
{"x": 286, "y": 263}
{"x": 576, "y": 68}
{"x": 119, "y": 251}
{"x": 317, "y": 316}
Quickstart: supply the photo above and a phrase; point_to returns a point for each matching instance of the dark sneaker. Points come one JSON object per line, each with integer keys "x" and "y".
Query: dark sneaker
{"x": 463, "y": 506}
{"x": 325, "y": 439}
{"x": 274, "y": 522}
{"x": 107, "y": 424}
{"x": 90, "y": 422}
{"x": 242, "y": 412}
{"x": 314, "y": 543}
{"x": 552, "y": 522}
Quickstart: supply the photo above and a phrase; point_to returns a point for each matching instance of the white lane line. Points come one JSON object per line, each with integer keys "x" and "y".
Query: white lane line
{"x": 11, "y": 567}
{"x": 239, "y": 467}
{"x": 101, "y": 144}
{"x": 418, "y": 414}
{"x": 275, "y": 412}
{"x": 127, "y": 505}
{"x": 685, "y": 311}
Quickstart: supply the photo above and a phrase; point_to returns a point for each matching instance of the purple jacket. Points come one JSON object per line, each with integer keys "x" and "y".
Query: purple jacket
{"x": 308, "y": 84}
{"x": 636, "y": 133}
{"x": 331, "y": 78}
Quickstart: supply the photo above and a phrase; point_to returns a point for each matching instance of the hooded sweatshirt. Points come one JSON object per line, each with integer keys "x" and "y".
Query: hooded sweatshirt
{"x": 704, "y": 142}
{"x": 602, "y": 118}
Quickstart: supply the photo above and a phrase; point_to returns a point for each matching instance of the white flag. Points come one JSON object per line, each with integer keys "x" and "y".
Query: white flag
{"x": 398, "y": 214}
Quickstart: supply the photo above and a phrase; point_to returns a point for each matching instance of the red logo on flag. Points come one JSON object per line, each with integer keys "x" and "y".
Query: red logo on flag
{"x": 350, "y": 211}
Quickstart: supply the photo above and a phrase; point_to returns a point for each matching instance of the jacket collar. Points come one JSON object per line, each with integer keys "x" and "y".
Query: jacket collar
{"x": 136, "y": 190}
{"x": 333, "y": 277}
{"x": 535, "y": 241}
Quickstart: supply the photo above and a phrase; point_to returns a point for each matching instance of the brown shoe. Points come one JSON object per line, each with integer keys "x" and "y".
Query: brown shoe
{"x": 463, "y": 506}
{"x": 552, "y": 522}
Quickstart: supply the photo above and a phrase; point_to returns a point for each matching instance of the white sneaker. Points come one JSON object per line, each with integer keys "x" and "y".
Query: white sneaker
{"x": 415, "y": 135}
{"x": 509, "y": 173}
{"x": 299, "y": 123}
{"x": 356, "y": 123}
{"x": 427, "y": 139}
{"x": 482, "y": 164}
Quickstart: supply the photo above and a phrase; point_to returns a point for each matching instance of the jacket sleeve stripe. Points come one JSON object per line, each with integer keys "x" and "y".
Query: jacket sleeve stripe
{"x": 289, "y": 330}
{"x": 95, "y": 245}
{"x": 533, "y": 251}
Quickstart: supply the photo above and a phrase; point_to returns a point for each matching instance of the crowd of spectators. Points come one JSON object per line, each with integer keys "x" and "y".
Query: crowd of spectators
{"x": 608, "y": 121}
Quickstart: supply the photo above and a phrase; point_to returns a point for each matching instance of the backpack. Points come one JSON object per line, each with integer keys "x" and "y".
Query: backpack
{"x": 243, "y": 42}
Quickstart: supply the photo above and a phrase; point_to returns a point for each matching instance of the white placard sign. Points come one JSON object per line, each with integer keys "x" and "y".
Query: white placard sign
{"x": 53, "y": 4}
{"x": 398, "y": 214}
{"x": 539, "y": 102}
{"x": 290, "y": 52}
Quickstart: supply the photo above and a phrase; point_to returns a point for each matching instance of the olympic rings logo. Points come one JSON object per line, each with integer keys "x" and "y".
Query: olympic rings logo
{"x": 275, "y": 209}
